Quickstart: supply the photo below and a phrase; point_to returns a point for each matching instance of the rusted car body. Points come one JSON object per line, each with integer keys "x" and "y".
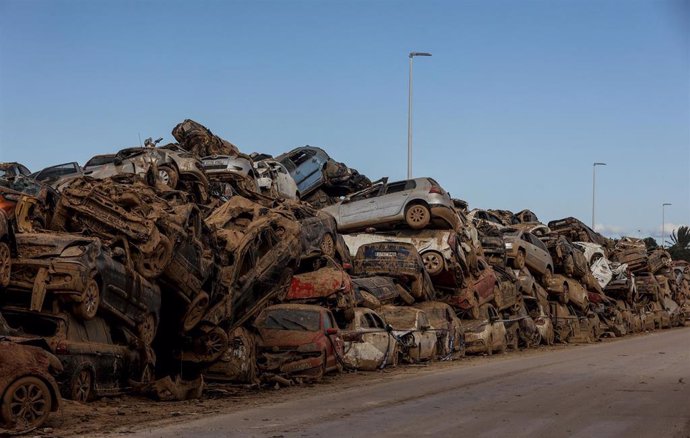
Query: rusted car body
{"x": 319, "y": 233}
{"x": 483, "y": 218}
{"x": 415, "y": 203}
{"x": 28, "y": 391}
{"x": 568, "y": 259}
{"x": 80, "y": 271}
{"x": 330, "y": 287}
{"x": 275, "y": 180}
{"x": 449, "y": 331}
{"x": 55, "y": 175}
{"x": 383, "y": 289}
{"x": 97, "y": 361}
{"x": 417, "y": 337}
{"x": 6, "y": 237}
{"x": 11, "y": 170}
{"x": 230, "y": 174}
{"x": 441, "y": 251}
{"x": 658, "y": 260}
{"x": 398, "y": 260}
{"x": 200, "y": 141}
{"x": 525, "y": 249}
{"x": 632, "y": 252}
{"x": 369, "y": 343}
{"x": 576, "y": 231}
{"x": 238, "y": 363}
{"x": 297, "y": 341}
{"x": 487, "y": 334}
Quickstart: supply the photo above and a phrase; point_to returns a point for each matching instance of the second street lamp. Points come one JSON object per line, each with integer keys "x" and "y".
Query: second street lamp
{"x": 594, "y": 185}
{"x": 409, "y": 115}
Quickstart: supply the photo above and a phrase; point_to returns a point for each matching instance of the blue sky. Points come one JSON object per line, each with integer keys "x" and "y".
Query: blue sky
{"x": 518, "y": 100}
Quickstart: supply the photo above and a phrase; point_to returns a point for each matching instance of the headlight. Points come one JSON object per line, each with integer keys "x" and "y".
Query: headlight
{"x": 73, "y": 251}
{"x": 509, "y": 245}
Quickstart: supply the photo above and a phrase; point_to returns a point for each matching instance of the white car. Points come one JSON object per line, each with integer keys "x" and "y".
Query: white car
{"x": 486, "y": 334}
{"x": 273, "y": 178}
{"x": 369, "y": 345}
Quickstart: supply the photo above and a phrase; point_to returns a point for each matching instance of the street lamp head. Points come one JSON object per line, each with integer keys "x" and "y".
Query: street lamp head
{"x": 413, "y": 54}
{"x": 599, "y": 164}
{"x": 665, "y": 204}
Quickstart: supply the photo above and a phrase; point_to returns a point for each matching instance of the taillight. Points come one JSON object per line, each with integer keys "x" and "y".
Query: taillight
{"x": 61, "y": 348}
{"x": 437, "y": 190}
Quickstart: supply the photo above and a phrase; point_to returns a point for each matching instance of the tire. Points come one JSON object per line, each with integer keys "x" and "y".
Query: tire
{"x": 519, "y": 261}
{"x": 90, "y": 301}
{"x": 433, "y": 262}
{"x": 417, "y": 216}
{"x": 26, "y": 404}
{"x": 152, "y": 265}
{"x": 5, "y": 264}
{"x": 168, "y": 176}
{"x": 195, "y": 311}
{"x": 146, "y": 329}
{"x": 81, "y": 386}
{"x": 327, "y": 245}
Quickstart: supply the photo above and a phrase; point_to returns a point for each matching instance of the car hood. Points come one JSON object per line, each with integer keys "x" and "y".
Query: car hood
{"x": 39, "y": 245}
{"x": 286, "y": 338}
{"x": 319, "y": 284}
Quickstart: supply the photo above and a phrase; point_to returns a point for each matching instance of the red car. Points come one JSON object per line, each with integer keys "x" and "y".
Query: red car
{"x": 482, "y": 290}
{"x": 329, "y": 286}
{"x": 297, "y": 341}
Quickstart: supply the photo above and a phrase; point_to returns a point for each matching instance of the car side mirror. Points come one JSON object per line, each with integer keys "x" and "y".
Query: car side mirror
{"x": 331, "y": 331}
{"x": 389, "y": 328}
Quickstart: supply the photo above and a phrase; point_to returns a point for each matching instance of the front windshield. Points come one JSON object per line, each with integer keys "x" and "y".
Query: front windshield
{"x": 289, "y": 319}
{"x": 401, "y": 320}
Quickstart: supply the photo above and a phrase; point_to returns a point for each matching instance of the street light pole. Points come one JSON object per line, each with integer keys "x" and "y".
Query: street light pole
{"x": 594, "y": 185}
{"x": 409, "y": 115}
{"x": 663, "y": 222}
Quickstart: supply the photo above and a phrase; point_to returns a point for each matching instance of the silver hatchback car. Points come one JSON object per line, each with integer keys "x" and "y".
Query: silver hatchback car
{"x": 415, "y": 202}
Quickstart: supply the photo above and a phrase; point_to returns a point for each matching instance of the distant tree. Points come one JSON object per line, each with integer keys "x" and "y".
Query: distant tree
{"x": 680, "y": 248}
{"x": 650, "y": 243}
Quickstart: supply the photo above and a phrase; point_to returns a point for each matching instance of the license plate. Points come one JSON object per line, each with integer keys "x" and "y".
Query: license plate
{"x": 386, "y": 254}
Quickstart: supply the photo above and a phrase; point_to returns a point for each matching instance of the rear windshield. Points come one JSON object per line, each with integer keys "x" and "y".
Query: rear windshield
{"x": 56, "y": 171}
{"x": 283, "y": 319}
{"x": 100, "y": 160}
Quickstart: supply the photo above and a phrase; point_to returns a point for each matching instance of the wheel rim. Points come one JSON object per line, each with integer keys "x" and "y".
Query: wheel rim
{"x": 327, "y": 246}
{"x": 154, "y": 263}
{"x": 91, "y": 299}
{"x": 5, "y": 263}
{"x": 432, "y": 262}
{"x": 147, "y": 329}
{"x": 164, "y": 176}
{"x": 28, "y": 403}
{"x": 196, "y": 311}
{"x": 417, "y": 214}
{"x": 83, "y": 386}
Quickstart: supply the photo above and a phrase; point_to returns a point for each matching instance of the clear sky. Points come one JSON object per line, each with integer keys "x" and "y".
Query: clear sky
{"x": 518, "y": 100}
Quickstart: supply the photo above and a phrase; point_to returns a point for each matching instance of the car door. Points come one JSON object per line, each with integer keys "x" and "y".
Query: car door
{"x": 335, "y": 342}
{"x": 307, "y": 173}
{"x": 428, "y": 336}
{"x": 375, "y": 333}
{"x": 109, "y": 360}
{"x": 541, "y": 252}
{"x": 388, "y": 341}
{"x": 531, "y": 257}
{"x": 392, "y": 201}
{"x": 359, "y": 208}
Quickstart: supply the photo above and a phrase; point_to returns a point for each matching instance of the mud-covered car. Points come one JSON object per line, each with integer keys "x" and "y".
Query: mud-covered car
{"x": 568, "y": 291}
{"x": 11, "y": 170}
{"x": 329, "y": 286}
{"x": 418, "y": 338}
{"x": 541, "y": 320}
{"x": 378, "y": 290}
{"x": 567, "y": 258}
{"x": 486, "y": 334}
{"x": 96, "y": 361}
{"x": 229, "y": 174}
{"x": 28, "y": 391}
{"x": 441, "y": 251}
{"x": 274, "y": 179}
{"x": 297, "y": 341}
{"x": 591, "y": 251}
{"x": 484, "y": 218}
{"x": 55, "y": 175}
{"x": 647, "y": 286}
{"x": 238, "y": 363}
{"x": 449, "y": 331}
{"x": 97, "y": 161}
{"x": 398, "y": 260}
{"x": 525, "y": 249}
{"x": 170, "y": 164}
{"x": 87, "y": 277}
{"x": 416, "y": 203}
{"x": 576, "y": 231}
{"x": 319, "y": 233}
{"x": 369, "y": 343}
{"x": 5, "y": 253}
{"x": 40, "y": 199}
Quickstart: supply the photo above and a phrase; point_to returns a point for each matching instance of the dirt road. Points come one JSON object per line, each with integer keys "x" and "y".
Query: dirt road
{"x": 638, "y": 386}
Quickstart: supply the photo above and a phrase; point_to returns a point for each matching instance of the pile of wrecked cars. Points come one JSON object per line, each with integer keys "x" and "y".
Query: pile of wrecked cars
{"x": 155, "y": 269}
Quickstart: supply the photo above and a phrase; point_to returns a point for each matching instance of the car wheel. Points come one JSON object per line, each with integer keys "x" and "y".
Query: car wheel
{"x": 81, "y": 387}
{"x": 153, "y": 264}
{"x": 147, "y": 329}
{"x": 90, "y": 300}
{"x": 433, "y": 262}
{"x": 168, "y": 176}
{"x": 417, "y": 216}
{"x": 5, "y": 264}
{"x": 564, "y": 298}
{"x": 519, "y": 261}
{"x": 327, "y": 245}
{"x": 27, "y": 403}
{"x": 195, "y": 311}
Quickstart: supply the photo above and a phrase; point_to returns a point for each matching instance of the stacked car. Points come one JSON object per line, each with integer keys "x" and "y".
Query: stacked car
{"x": 154, "y": 267}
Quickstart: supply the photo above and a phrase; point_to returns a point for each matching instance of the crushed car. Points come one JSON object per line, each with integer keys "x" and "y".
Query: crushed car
{"x": 418, "y": 338}
{"x": 368, "y": 342}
